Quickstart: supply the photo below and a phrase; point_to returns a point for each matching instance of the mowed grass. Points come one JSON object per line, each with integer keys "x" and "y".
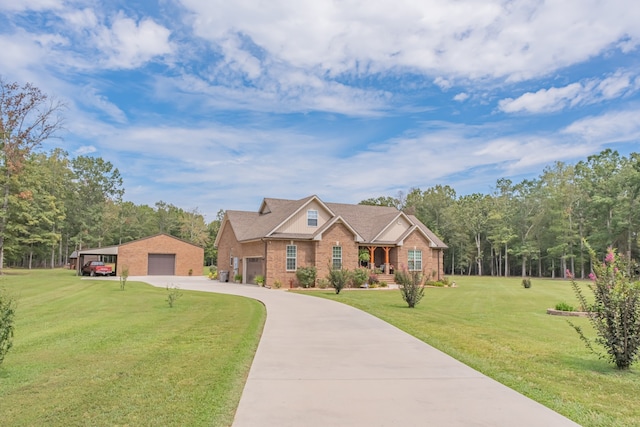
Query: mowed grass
{"x": 87, "y": 353}
{"x": 501, "y": 329}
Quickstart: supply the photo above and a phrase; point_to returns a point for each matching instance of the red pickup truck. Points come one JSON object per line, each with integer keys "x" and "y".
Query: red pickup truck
{"x": 93, "y": 268}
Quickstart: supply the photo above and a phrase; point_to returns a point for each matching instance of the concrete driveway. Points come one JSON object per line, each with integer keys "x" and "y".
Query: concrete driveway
{"x": 322, "y": 363}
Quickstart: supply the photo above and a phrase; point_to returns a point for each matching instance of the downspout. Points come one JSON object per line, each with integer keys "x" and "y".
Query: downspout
{"x": 265, "y": 261}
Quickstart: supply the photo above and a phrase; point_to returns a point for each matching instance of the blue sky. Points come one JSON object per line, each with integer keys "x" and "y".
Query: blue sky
{"x": 216, "y": 104}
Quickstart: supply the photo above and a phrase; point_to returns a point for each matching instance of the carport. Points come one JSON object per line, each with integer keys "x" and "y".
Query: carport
{"x": 108, "y": 254}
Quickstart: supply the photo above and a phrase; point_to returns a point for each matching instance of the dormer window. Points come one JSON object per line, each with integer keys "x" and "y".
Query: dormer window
{"x": 312, "y": 218}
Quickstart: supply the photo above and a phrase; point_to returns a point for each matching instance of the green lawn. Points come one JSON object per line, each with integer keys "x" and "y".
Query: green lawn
{"x": 501, "y": 329}
{"x": 87, "y": 353}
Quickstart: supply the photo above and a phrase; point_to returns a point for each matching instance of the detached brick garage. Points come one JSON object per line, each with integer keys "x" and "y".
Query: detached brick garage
{"x": 159, "y": 255}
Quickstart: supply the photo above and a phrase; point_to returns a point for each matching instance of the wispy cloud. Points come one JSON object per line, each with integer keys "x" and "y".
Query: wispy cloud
{"x": 224, "y": 102}
{"x": 35, "y": 5}
{"x": 613, "y": 126}
{"x": 558, "y": 98}
{"x": 463, "y": 39}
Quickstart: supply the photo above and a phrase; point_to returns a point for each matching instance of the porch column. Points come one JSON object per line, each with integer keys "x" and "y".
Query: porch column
{"x": 386, "y": 254}
{"x": 372, "y": 250}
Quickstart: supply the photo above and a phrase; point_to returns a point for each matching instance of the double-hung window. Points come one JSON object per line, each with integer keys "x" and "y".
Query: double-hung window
{"x": 312, "y": 218}
{"x": 292, "y": 256}
{"x": 337, "y": 257}
{"x": 415, "y": 260}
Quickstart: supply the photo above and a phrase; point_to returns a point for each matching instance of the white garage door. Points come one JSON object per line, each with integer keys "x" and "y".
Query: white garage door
{"x": 162, "y": 265}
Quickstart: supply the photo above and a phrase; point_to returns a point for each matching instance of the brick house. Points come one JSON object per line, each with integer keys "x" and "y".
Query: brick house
{"x": 284, "y": 235}
{"x": 161, "y": 254}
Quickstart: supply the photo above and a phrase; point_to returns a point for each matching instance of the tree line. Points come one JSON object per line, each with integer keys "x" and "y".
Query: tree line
{"x": 536, "y": 227}
{"x": 60, "y": 204}
{"x": 52, "y": 204}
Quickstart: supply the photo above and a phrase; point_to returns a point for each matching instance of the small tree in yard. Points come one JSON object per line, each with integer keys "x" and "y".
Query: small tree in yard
{"x": 306, "y": 276}
{"x": 123, "y": 278}
{"x": 338, "y": 279}
{"x": 7, "y": 314}
{"x": 173, "y": 294}
{"x": 615, "y": 313}
{"x": 411, "y": 286}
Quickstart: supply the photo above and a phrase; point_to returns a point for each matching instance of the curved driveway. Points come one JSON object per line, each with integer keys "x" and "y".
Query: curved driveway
{"x": 322, "y": 363}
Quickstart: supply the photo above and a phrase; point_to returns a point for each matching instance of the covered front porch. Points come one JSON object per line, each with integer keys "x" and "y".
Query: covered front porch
{"x": 381, "y": 257}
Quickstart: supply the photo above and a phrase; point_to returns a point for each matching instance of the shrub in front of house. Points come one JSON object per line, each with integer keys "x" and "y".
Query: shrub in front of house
{"x": 323, "y": 283}
{"x": 338, "y": 279}
{"x": 306, "y": 276}
{"x": 373, "y": 280}
{"x": 411, "y": 287}
{"x": 359, "y": 277}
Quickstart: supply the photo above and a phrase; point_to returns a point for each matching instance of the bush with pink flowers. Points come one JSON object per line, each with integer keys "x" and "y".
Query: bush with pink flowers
{"x": 615, "y": 313}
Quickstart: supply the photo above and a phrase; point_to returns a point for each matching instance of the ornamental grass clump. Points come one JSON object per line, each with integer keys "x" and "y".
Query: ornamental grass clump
{"x": 615, "y": 312}
{"x": 411, "y": 286}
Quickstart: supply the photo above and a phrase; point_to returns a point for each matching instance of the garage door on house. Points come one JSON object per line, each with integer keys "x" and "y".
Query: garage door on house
{"x": 162, "y": 265}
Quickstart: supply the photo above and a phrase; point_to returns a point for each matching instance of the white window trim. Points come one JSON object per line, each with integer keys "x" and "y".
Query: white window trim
{"x": 312, "y": 215}
{"x": 333, "y": 257}
{"x": 287, "y": 258}
{"x": 414, "y": 259}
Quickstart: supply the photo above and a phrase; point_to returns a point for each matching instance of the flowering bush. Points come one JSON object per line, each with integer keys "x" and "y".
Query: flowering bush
{"x": 615, "y": 313}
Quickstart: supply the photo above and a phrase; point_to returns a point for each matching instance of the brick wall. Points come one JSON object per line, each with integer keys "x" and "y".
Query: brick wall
{"x": 135, "y": 255}
{"x": 277, "y": 260}
{"x": 228, "y": 245}
{"x": 339, "y": 234}
{"x": 432, "y": 259}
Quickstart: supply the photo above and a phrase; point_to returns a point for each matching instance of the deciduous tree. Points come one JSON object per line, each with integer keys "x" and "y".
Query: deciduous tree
{"x": 27, "y": 118}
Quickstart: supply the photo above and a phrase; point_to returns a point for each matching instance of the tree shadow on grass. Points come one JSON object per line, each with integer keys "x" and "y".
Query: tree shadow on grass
{"x": 600, "y": 366}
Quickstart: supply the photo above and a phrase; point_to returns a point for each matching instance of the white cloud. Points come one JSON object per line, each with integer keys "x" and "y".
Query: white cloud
{"x": 90, "y": 97}
{"x": 542, "y": 101}
{"x": 461, "y": 97}
{"x": 558, "y": 98}
{"x": 466, "y": 38}
{"x": 85, "y": 149}
{"x": 280, "y": 91}
{"x": 526, "y": 153}
{"x": 443, "y": 83}
{"x": 614, "y": 86}
{"x": 35, "y": 5}
{"x": 80, "y": 19}
{"x": 129, "y": 44}
{"x": 615, "y": 126}
{"x": 19, "y": 51}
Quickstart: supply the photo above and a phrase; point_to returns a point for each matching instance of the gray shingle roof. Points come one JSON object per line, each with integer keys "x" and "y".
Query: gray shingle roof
{"x": 367, "y": 221}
